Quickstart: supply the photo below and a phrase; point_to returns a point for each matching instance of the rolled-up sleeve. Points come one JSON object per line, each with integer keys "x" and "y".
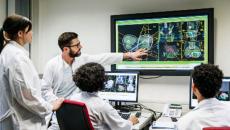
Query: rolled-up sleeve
{"x": 104, "y": 59}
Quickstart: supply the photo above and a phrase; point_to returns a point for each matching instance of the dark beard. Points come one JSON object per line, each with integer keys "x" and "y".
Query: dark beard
{"x": 73, "y": 55}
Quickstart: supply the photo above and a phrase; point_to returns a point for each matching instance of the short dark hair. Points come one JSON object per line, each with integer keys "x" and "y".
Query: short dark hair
{"x": 65, "y": 39}
{"x": 12, "y": 25}
{"x": 208, "y": 79}
{"x": 90, "y": 77}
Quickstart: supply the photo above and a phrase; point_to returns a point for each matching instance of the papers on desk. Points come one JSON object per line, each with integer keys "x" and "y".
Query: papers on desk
{"x": 163, "y": 125}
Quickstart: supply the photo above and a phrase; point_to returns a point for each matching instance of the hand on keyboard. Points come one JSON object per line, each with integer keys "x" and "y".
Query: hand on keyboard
{"x": 133, "y": 119}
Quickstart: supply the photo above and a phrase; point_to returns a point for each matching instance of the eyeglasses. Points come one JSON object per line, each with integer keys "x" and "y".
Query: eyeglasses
{"x": 77, "y": 45}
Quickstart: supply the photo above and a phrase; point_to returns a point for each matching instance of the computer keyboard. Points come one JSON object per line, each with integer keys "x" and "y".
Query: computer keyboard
{"x": 125, "y": 115}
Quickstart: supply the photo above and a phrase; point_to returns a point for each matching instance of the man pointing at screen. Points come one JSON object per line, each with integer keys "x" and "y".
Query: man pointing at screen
{"x": 57, "y": 78}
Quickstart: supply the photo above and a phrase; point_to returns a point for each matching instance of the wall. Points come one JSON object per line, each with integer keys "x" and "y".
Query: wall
{"x": 2, "y": 11}
{"x": 91, "y": 20}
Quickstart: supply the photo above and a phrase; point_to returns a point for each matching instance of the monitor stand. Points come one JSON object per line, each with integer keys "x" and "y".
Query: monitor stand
{"x": 118, "y": 106}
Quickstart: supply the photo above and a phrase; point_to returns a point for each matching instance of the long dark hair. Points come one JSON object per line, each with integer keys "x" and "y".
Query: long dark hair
{"x": 1, "y": 39}
{"x": 11, "y": 26}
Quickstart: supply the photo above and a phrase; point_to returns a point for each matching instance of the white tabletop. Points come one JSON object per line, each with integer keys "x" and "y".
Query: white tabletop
{"x": 165, "y": 123}
{"x": 144, "y": 120}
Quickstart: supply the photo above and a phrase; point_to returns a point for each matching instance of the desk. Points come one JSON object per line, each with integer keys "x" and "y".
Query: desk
{"x": 144, "y": 120}
{"x": 164, "y": 120}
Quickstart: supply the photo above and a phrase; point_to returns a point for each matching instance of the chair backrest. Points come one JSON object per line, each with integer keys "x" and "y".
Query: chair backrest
{"x": 216, "y": 128}
{"x": 73, "y": 115}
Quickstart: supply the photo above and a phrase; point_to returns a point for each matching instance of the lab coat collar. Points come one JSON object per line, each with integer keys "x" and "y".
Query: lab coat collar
{"x": 206, "y": 102}
{"x": 20, "y": 47}
{"x": 88, "y": 93}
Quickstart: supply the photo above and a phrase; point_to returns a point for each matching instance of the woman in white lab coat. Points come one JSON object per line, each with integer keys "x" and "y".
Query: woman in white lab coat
{"x": 5, "y": 123}
{"x": 90, "y": 79}
{"x": 27, "y": 108}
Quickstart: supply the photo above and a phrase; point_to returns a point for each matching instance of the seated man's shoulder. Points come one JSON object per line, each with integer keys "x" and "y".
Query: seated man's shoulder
{"x": 101, "y": 103}
{"x": 53, "y": 61}
{"x": 103, "y": 106}
{"x": 189, "y": 116}
{"x": 187, "y": 120}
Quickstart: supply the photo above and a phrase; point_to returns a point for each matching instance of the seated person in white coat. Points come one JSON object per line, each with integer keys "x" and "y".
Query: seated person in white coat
{"x": 210, "y": 112}
{"x": 90, "y": 79}
{"x": 57, "y": 78}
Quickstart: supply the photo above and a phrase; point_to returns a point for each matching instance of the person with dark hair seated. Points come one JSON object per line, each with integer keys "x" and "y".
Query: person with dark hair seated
{"x": 210, "y": 112}
{"x": 90, "y": 79}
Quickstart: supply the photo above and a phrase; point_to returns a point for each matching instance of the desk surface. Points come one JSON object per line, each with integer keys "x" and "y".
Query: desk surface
{"x": 144, "y": 120}
{"x": 166, "y": 120}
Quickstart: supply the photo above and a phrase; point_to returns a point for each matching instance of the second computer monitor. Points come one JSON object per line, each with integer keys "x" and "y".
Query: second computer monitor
{"x": 121, "y": 86}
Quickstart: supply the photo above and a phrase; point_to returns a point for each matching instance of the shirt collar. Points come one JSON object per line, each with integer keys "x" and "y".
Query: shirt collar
{"x": 65, "y": 64}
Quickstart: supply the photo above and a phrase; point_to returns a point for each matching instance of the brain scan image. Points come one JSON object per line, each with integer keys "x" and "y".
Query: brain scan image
{"x": 192, "y": 50}
{"x": 130, "y": 87}
{"x": 120, "y": 88}
{"x": 223, "y": 96}
{"x": 109, "y": 84}
{"x": 164, "y": 41}
{"x": 130, "y": 42}
{"x": 120, "y": 80}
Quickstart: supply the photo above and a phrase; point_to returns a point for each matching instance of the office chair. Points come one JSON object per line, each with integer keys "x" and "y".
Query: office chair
{"x": 73, "y": 116}
{"x": 216, "y": 128}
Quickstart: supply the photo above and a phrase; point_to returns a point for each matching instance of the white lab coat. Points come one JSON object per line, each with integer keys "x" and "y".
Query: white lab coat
{"x": 57, "y": 75}
{"x": 5, "y": 121}
{"x": 26, "y": 104}
{"x": 208, "y": 113}
{"x": 57, "y": 79}
{"x": 102, "y": 115}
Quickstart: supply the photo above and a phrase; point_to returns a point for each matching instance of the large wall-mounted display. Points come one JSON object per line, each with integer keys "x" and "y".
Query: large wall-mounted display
{"x": 176, "y": 41}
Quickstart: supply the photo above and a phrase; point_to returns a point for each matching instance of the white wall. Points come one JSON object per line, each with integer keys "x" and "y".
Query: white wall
{"x": 2, "y": 11}
{"x": 91, "y": 20}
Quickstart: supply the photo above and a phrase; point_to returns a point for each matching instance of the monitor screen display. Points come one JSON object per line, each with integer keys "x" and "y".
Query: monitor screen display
{"x": 223, "y": 94}
{"x": 121, "y": 86}
{"x": 175, "y": 41}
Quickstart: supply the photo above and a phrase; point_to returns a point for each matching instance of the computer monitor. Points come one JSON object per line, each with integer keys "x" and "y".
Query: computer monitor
{"x": 121, "y": 86}
{"x": 223, "y": 94}
{"x": 176, "y": 41}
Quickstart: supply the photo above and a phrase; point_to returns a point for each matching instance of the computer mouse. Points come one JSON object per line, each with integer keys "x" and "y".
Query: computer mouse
{"x": 174, "y": 119}
{"x": 138, "y": 114}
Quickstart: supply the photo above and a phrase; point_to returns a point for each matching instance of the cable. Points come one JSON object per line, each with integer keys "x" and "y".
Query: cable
{"x": 139, "y": 107}
{"x": 156, "y": 114}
